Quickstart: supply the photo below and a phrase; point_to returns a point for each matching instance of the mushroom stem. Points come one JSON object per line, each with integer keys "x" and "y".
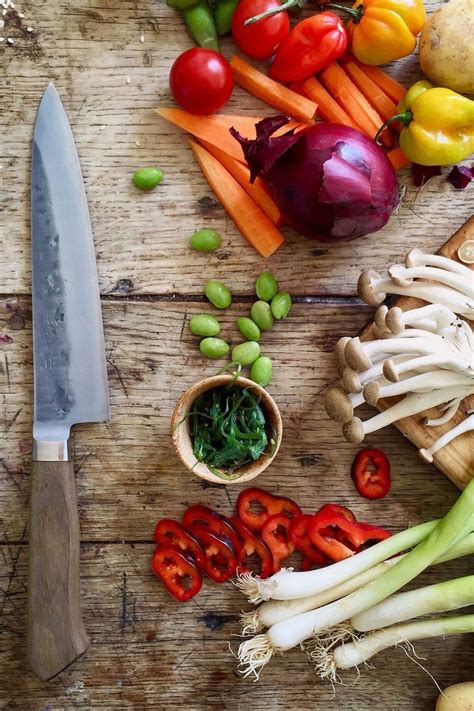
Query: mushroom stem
{"x": 360, "y": 355}
{"x": 404, "y": 276}
{"x": 356, "y": 430}
{"x": 353, "y": 381}
{"x": 450, "y": 410}
{"x": 448, "y": 360}
{"x": 418, "y": 258}
{"x": 432, "y": 317}
{"x": 424, "y": 382}
{"x": 466, "y": 425}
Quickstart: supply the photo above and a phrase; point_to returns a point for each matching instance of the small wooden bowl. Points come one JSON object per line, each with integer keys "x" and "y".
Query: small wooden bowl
{"x": 182, "y": 438}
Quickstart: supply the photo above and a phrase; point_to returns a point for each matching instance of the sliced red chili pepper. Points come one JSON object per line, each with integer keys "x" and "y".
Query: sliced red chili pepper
{"x": 323, "y": 530}
{"x": 308, "y": 564}
{"x": 364, "y": 535}
{"x": 253, "y": 547}
{"x": 338, "y": 509}
{"x": 171, "y": 534}
{"x": 208, "y": 518}
{"x": 255, "y": 506}
{"x": 301, "y": 541}
{"x": 276, "y": 534}
{"x": 220, "y": 558}
{"x": 371, "y": 473}
{"x": 178, "y": 574}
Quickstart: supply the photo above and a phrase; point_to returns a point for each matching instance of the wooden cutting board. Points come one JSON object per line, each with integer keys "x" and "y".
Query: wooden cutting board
{"x": 456, "y": 460}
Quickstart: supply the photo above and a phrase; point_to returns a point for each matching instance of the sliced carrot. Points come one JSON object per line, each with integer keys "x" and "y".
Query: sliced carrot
{"x": 253, "y": 223}
{"x": 390, "y": 86}
{"x": 257, "y": 190}
{"x": 327, "y": 106}
{"x": 270, "y": 91}
{"x": 397, "y": 158}
{"x": 215, "y": 129}
{"x": 353, "y": 102}
{"x": 372, "y": 92}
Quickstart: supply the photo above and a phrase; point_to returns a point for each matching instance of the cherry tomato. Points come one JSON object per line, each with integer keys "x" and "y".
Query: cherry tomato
{"x": 371, "y": 473}
{"x": 301, "y": 541}
{"x": 220, "y": 558}
{"x": 178, "y": 574}
{"x": 276, "y": 534}
{"x": 255, "y": 506}
{"x": 253, "y": 547}
{"x": 261, "y": 39}
{"x": 171, "y": 534}
{"x": 201, "y": 80}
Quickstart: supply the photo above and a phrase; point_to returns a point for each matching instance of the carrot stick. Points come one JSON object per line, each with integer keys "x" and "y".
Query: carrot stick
{"x": 397, "y": 158}
{"x": 253, "y": 223}
{"x": 391, "y": 87}
{"x": 270, "y": 91}
{"x": 257, "y": 190}
{"x": 215, "y": 129}
{"x": 372, "y": 92}
{"x": 354, "y": 103}
{"x": 327, "y": 106}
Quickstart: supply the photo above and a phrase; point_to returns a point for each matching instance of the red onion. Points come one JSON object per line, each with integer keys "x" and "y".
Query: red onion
{"x": 330, "y": 181}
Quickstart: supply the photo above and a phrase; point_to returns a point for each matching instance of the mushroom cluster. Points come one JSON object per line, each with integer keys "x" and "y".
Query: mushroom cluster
{"x": 425, "y": 354}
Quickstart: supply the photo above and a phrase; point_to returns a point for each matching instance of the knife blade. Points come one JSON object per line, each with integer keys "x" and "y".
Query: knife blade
{"x": 70, "y": 384}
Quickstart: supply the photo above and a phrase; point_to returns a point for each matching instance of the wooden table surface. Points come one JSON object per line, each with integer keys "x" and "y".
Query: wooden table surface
{"x": 148, "y": 651}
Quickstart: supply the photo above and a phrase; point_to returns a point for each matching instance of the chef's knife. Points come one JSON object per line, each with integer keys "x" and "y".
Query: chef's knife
{"x": 70, "y": 385}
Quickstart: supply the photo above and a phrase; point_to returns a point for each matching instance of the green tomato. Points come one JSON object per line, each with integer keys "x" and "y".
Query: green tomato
{"x": 281, "y": 305}
{"x": 266, "y": 286}
{"x": 218, "y": 294}
{"x": 261, "y": 314}
{"x": 147, "y": 178}
{"x": 204, "y": 325}
{"x": 261, "y": 371}
{"x": 214, "y": 347}
{"x": 248, "y": 328}
{"x": 206, "y": 240}
{"x": 245, "y": 353}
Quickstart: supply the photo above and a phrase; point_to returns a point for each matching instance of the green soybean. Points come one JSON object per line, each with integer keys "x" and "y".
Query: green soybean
{"x": 204, "y": 325}
{"x": 261, "y": 314}
{"x": 214, "y": 347}
{"x": 266, "y": 286}
{"x": 147, "y": 178}
{"x": 281, "y": 305}
{"x": 181, "y": 4}
{"x": 223, "y": 15}
{"x": 248, "y": 328}
{"x": 261, "y": 371}
{"x": 218, "y": 294}
{"x": 206, "y": 240}
{"x": 201, "y": 26}
{"x": 245, "y": 353}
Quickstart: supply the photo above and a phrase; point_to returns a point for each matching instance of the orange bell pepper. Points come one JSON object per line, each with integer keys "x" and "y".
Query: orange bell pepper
{"x": 383, "y": 30}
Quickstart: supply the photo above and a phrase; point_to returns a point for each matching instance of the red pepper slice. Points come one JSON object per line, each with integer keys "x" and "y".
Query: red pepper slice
{"x": 220, "y": 558}
{"x": 338, "y": 509}
{"x": 276, "y": 534}
{"x": 178, "y": 574}
{"x": 371, "y": 473}
{"x": 364, "y": 535}
{"x": 301, "y": 541}
{"x": 340, "y": 538}
{"x": 208, "y": 518}
{"x": 308, "y": 564}
{"x": 253, "y": 546}
{"x": 171, "y": 534}
{"x": 255, "y": 506}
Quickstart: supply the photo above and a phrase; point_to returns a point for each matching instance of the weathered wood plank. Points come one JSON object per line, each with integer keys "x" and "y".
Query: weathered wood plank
{"x": 89, "y": 49}
{"x": 148, "y": 651}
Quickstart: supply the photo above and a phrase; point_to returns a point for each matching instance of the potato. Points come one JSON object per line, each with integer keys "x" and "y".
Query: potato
{"x": 447, "y": 46}
{"x": 459, "y": 697}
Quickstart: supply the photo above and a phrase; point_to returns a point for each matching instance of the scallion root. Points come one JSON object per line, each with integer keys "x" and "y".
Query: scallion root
{"x": 251, "y": 622}
{"x": 254, "y": 588}
{"x": 320, "y": 652}
{"x": 254, "y": 654}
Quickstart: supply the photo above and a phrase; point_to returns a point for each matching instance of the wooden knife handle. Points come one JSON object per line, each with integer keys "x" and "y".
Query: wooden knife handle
{"x": 56, "y": 634}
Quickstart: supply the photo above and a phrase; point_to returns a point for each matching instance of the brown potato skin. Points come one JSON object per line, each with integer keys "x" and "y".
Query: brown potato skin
{"x": 446, "y": 50}
{"x": 459, "y": 697}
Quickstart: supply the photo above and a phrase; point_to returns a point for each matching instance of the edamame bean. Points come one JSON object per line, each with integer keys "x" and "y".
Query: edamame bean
{"x": 266, "y": 286}
{"x": 204, "y": 325}
{"x": 214, "y": 347}
{"x": 261, "y": 371}
{"x": 224, "y": 14}
{"x": 248, "y": 328}
{"x": 281, "y": 305}
{"x": 201, "y": 26}
{"x": 218, "y": 294}
{"x": 245, "y": 353}
{"x": 147, "y": 178}
{"x": 261, "y": 313}
{"x": 206, "y": 240}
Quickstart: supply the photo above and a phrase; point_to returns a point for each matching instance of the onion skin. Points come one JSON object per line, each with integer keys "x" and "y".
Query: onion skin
{"x": 354, "y": 195}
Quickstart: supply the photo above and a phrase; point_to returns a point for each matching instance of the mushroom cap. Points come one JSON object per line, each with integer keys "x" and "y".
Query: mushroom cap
{"x": 396, "y": 272}
{"x": 426, "y": 455}
{"x": 353, "y": 431}
{"x": 415, "y": 258}
{"x": 350, "y": 380}
{"x": 372, "y": 393}
{"x": 389, "y": 371}
{"x": 379, "y": 317}
{"x": 355, "y": 355}
{"x": 394, "y": 320}
{"x": 339, "y": 353}
{"x": 338, "y": 405}
{"x": 366, "y": 290}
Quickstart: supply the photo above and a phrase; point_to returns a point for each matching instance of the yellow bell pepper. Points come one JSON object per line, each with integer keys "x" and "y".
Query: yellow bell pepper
{"x": 439, "y": 125}
{"x": 383, "y": 30}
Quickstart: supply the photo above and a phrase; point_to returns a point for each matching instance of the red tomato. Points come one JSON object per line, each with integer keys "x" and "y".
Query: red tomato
{"x": 178, "y": 574}
{"x": 371, "y": 473}
{"x": 261, "y": 39}
{"x": 201, "y": 80}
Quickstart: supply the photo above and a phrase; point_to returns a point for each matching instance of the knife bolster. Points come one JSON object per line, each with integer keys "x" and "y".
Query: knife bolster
{"x": 50, "y": 450}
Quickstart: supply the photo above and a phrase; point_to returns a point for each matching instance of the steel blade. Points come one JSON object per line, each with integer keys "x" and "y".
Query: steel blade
{"x": 68, "y": 342}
